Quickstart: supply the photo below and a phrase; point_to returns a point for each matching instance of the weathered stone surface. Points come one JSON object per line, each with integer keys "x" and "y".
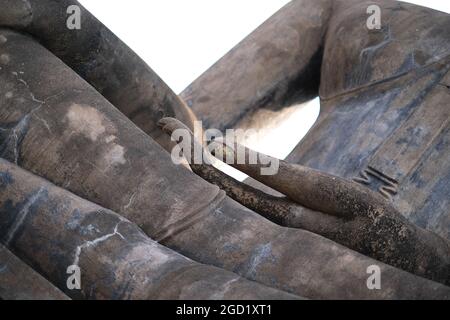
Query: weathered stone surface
{"x": 345, "y": 211}
{"x": 18, "y": 281}
{"x": 384, "y": 116}
{"x": 56, "y": 125}
{"x": 60, "y": 128}
{"x": 100, "y": 58}
{"x": 53, "y": 229}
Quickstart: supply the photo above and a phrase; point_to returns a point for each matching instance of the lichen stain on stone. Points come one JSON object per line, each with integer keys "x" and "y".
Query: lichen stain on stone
{"x": 110, "y": 138}
{"x": 4, "y": 58}
{"x": 149, "y": 253}
{"x": 347, "y": 259}
{"x": 115, "y": 155}
{"x": 86, "y": 120}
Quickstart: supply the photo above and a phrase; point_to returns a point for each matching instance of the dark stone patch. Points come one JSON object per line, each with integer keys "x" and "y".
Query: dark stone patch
{"x": 5, "y": 179}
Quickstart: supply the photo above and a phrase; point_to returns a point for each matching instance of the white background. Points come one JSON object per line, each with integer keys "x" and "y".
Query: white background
{"x": 180, "y": 39}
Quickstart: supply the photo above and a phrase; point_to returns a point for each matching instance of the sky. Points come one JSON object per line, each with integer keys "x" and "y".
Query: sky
{"x": 180, "y": 39}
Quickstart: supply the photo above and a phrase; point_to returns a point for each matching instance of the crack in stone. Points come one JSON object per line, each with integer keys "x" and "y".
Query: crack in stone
{"x": 94, "y": 242}
{"x": 20, "y": 218}
{"x": 12, "y": 141}
{"x": 21, "y": 80}
{"x": 225, "y": 288}
{"x": 19, "y": 130}
{"x": 130, "y": 202}
{"x": 45, "y": 123}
